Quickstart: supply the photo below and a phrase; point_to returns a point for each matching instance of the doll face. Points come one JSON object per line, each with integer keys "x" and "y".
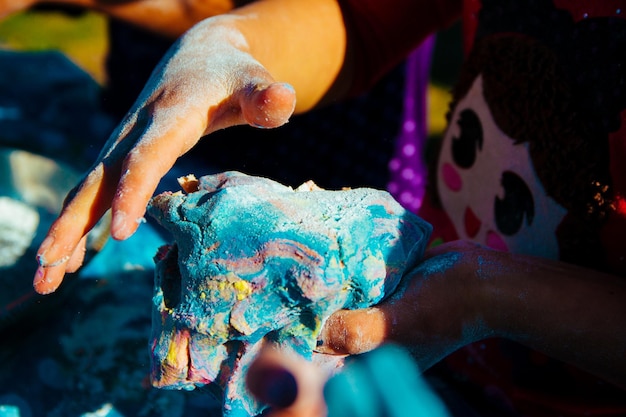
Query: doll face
{"x": 488, "y": 186}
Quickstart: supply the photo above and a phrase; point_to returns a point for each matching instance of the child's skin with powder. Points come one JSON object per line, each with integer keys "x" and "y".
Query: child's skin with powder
{"x": 212, "y": 79}
{"x": 247, "y": 67}
{"x": 462, "y": 293}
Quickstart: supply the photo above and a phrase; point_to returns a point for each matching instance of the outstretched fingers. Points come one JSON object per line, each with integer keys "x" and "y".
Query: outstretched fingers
{"x": 61, "y": 249}
{"x": 143, "y": 168}
{"x": 167, "y": 123}
{"x": 77, "y": 258}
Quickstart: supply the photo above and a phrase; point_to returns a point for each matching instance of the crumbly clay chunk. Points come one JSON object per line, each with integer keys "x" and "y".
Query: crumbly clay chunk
{"x": 254, "y": 261}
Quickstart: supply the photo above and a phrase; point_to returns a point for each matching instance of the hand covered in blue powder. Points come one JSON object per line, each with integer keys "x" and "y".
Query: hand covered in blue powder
{"x": 463, "y": 292}
{"x": 438, "y": 308}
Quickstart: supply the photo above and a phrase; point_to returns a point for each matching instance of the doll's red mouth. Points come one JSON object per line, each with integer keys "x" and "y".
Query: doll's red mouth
{"x": 472, "y": 223}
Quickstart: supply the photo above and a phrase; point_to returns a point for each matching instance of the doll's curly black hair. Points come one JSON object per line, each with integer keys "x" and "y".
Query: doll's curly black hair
{"x": 533, "y": 100}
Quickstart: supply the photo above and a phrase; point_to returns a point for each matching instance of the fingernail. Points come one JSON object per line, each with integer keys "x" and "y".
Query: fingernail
{"x": 40, "y": 278}
{"x": 289, "y": 87}
{"x": 279, "y": 388}
{"x": 322, "y": 348}
{"x": 40, "y": 274}
{"x": 320, "y": 345}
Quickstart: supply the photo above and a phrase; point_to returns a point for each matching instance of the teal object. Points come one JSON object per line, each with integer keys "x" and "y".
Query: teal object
{"x": 9, "y": 411}
{"x": 255, "y": 261}
{"x": 384, "y": 382}
{"x": 118, "y": 258}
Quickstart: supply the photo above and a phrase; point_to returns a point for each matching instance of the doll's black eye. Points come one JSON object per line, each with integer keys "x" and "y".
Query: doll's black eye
{"x": 470, "y": 141}
{"x": 517, "y": 203}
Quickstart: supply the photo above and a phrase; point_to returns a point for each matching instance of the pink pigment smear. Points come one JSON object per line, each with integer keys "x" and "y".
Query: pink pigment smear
{"x": 451, "y": 177}
{"x": 494, "y": 241}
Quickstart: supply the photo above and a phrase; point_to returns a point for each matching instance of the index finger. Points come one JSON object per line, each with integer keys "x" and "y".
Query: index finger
{"x": 143, "y": 168}
{"x": 80, "y": 213}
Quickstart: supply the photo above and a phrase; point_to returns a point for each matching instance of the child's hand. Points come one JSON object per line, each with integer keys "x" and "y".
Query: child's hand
{"x": 436, "y": 309}
{"x": 206, "y": 82}
{"x": 463, "y": 292}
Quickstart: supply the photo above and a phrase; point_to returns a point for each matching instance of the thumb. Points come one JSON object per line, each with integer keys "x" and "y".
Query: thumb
{"x": 258, "y": 104}
{"x": 268, "y": 106}
{"x": 353, "y": 331}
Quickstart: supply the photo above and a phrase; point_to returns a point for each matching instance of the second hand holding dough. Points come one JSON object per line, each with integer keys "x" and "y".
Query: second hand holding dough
{"x": 206, "y": 82}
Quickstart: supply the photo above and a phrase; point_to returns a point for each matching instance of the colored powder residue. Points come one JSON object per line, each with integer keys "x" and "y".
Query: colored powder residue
{"x": 286, "y": 260}
{"x": 438, "y": 264}
{"x": 243, "y": 289}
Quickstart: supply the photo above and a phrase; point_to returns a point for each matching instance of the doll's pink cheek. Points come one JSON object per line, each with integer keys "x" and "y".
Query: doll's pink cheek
{"x": 451, "y": 177}
{"x": 494, "y": 241}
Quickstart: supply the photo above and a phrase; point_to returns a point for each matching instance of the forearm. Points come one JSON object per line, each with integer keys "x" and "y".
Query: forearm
{"x": 570, "y": 313}
{"x": 169, "y": 18}
{"x": 299, "y": 42}
{"x": 329, "y": 49}
{"x": 462, "y": 292}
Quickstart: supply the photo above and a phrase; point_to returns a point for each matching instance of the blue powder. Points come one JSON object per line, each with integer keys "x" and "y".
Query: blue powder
{"x": 437, "y": 265}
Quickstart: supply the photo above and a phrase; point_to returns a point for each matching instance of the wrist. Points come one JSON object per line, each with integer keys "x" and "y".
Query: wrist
{"x": 490, "y": 278}
{"x": 468, "y": 277}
